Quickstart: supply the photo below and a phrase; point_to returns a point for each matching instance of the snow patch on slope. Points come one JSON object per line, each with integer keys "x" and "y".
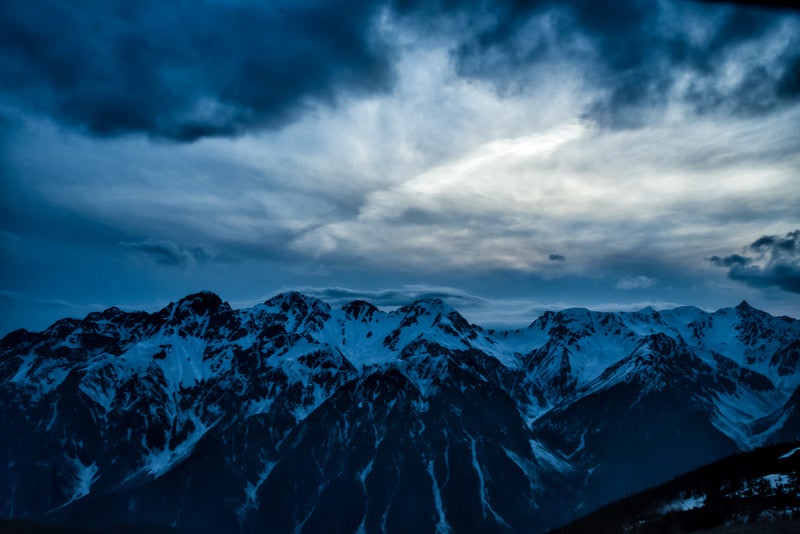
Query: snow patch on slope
{"x": 789, "y": 454}
{"x": 550, "y": 458}
{"x": 157, "y": 462}
{"x": 85, "y": 476}
{"x": 686, "y": 503}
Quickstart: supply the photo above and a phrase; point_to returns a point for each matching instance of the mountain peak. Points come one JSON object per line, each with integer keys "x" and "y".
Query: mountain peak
{"x": 108, "y": 314}
{"x": 430, "y": 305}
{"x": 359, "y": 309}
{"x": 659, "y": 343}
{"x": 201, "y": 302}
{"x": 294, "y": 299}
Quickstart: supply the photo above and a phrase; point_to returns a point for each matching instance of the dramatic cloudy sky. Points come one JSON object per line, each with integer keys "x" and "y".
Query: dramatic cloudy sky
{"x": 508, "y": 156}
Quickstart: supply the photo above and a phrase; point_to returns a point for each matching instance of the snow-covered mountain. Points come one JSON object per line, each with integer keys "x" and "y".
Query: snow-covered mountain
{"x": 294, "y": 416}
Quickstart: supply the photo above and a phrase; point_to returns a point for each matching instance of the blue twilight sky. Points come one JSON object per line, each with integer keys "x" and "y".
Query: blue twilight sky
{"x": 507, "y": 156}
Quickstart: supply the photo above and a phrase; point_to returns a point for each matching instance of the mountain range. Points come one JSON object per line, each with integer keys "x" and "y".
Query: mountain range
{"x": 296, "y": 416}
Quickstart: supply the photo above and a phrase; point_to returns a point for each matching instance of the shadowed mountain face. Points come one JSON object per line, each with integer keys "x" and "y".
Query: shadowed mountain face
{"x": 295, "y": 416}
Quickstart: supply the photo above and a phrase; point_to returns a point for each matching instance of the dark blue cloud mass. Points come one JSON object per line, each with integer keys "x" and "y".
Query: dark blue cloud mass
{"x": 770, "y": 261}
{"x": 183, "y": 71}
{"x": 640, "y": 53}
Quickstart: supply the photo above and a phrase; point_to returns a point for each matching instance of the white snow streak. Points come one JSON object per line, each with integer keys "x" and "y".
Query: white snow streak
{"x": 158, "y": 462}
{"x": 442, "y": 527}
{"x": 252, "y": 489}
{"x": 485, "y": 505}
{"x": 550, "y": 458}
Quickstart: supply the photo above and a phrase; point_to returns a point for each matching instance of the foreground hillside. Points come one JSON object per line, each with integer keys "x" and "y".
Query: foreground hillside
{"x": 753, "y": 491}
{"x": 293, "y": 416}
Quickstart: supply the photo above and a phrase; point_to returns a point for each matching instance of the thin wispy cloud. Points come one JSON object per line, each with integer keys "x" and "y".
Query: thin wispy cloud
{"x": 168, "y": 253}
{"x": 636, "y": 282}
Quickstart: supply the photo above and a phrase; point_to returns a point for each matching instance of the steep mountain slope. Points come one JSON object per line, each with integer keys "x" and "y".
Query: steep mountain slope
{"x": 756, "y": 488}
{"x": 294, "y": 415}
{"x": 653, "y": 408}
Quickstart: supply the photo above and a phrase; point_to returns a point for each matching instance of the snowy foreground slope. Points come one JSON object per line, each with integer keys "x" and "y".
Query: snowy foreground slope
{"x": 293, "y": 416}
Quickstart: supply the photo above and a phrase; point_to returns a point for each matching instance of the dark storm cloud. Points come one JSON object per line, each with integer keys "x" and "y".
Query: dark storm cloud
{"x": 169, "y": 253}
{"x": 636, "y": 59}
{"x": 556, "y": 257}
{"x": 767, "y": 242}
{"x": 181, "y": 70}
{"x": 770, "y": 261}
